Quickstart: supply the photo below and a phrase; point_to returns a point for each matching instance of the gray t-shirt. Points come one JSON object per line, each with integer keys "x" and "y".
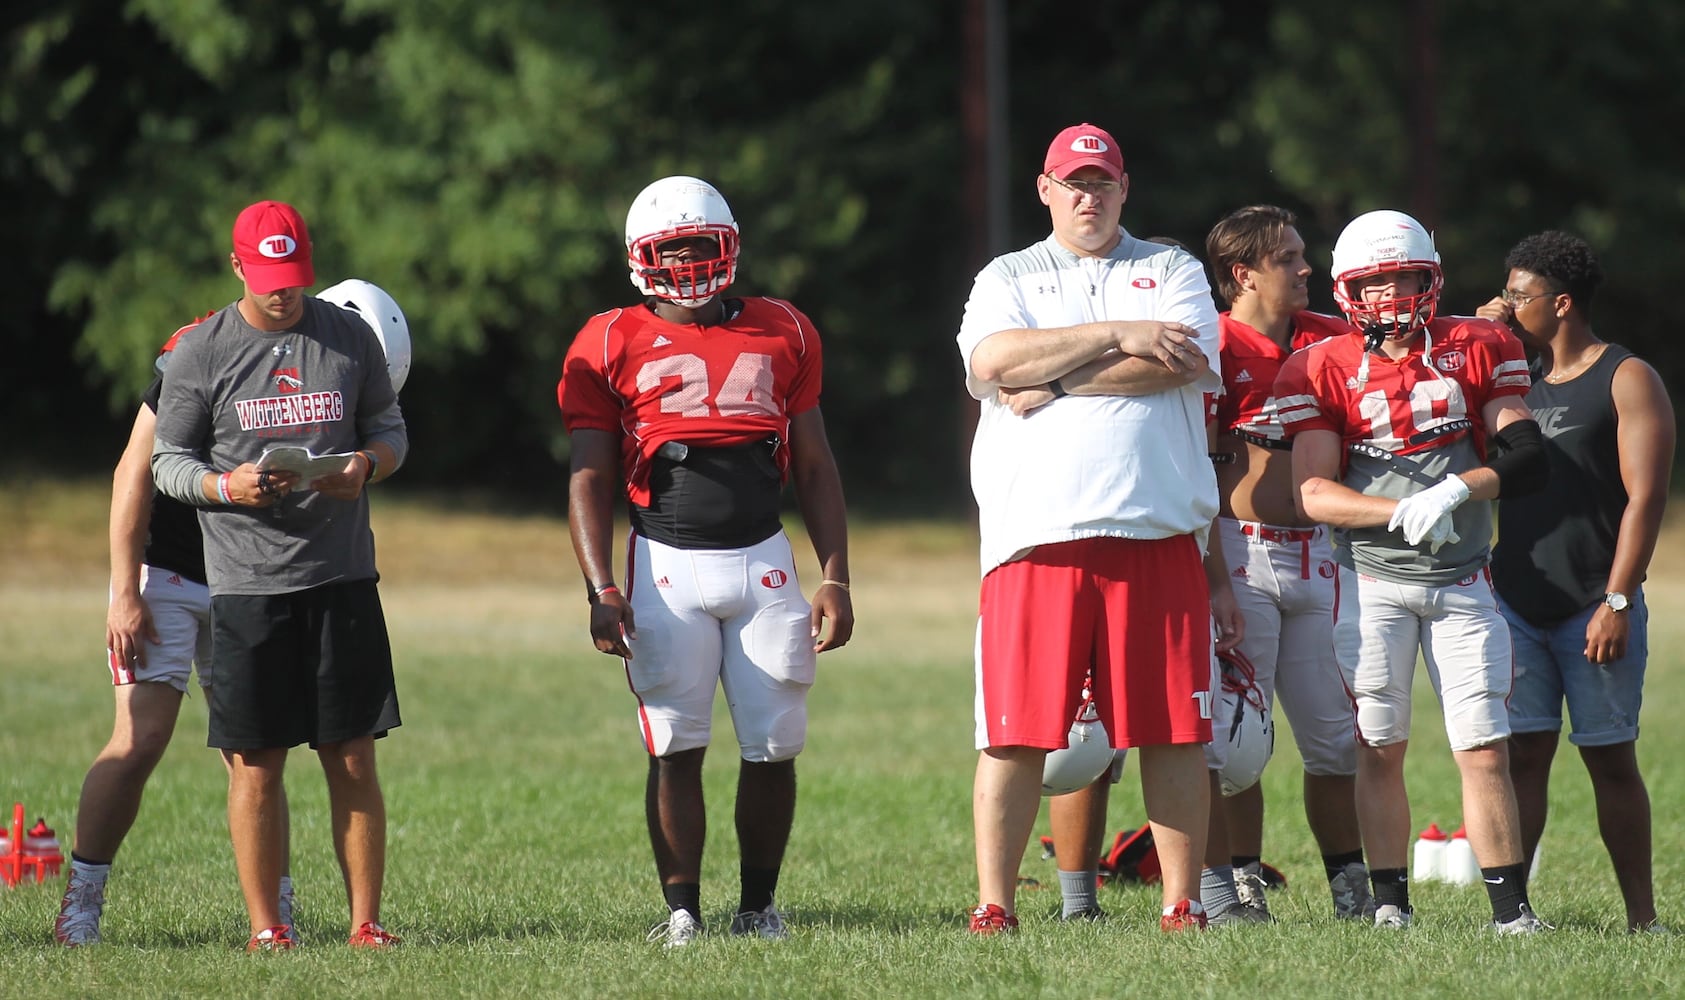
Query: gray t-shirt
{"x": 233, "y": 391}
{"x": 1383, "y": 553}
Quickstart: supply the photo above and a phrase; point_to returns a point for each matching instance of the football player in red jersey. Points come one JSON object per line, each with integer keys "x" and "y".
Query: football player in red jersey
{"x": 697, "y": 407}
{"x": 1391, "y": 426}
{"x": 1283, "y": 563}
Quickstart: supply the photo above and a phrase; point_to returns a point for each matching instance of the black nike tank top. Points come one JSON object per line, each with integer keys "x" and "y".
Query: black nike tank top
{"x": 1556, "y": 546}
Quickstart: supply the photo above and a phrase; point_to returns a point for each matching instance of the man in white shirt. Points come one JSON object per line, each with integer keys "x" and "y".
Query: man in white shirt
{"x": 1093, "y": 509}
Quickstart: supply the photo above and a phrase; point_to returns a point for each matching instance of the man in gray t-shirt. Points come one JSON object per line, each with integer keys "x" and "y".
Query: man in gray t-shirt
{"x": 300, "y": 650}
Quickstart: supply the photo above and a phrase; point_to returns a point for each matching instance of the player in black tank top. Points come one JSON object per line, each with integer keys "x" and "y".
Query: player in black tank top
{"x": 1578, "y": 552}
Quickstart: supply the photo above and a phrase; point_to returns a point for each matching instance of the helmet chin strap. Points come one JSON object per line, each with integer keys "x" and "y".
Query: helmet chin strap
{"x": 1376, "y": 333}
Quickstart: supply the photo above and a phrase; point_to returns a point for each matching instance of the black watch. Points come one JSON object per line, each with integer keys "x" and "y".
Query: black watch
{"x": 1614, "y": 600}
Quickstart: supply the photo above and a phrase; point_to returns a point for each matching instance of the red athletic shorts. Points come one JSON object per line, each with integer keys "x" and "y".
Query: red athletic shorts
{"x": 1137, "y": 612}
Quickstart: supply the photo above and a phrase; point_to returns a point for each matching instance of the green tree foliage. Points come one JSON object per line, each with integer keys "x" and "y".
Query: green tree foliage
{"x": 476, "y": 157}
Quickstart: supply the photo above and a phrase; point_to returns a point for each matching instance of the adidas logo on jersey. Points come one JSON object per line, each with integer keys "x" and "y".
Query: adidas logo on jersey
{"x": 661, "y": 341}
{"x": 1243, "y": 376}
{"x": 664, "y": 582}
{"x": 174, "y": 579}
{"x": 1239, "y": 573}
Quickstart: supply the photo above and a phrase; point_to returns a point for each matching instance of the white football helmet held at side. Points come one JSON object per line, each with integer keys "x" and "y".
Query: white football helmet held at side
{"x": 1087, "y": 756}
{"x": 1245, "y": 723}
{"x": 380, "y": 311}
{"x": 1385, "y": 242}
{"x": 674, "y": 208}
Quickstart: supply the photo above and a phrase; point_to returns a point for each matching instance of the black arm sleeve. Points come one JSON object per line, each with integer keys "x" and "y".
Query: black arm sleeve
{"x": 1520, "y": 460}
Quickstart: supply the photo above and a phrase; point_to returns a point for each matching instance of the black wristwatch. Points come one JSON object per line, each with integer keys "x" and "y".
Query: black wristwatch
{"x": 1054, "y": 387}
{"x": 1614, "y": 600}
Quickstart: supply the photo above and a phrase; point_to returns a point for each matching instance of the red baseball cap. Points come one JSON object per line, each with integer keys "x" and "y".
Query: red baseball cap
{"x": 1083, "y": 145}
{"x": 273, "y": 247}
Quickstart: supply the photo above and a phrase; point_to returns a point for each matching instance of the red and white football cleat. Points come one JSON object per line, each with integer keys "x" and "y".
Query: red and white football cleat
{"x": 277, "y": 938}
{"x": 372, "y": 935}
{"x": 991, "y": 919}
{"x": 1182, "y": 918}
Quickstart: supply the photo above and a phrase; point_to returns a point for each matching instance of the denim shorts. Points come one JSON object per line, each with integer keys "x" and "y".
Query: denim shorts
{"x": 1551, "y": 666}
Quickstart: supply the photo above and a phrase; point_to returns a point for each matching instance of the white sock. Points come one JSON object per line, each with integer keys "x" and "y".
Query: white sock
{"x": 86, "y": 872}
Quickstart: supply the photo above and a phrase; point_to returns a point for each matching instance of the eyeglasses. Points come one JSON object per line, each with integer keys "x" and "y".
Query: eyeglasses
{"x": 1098, "y": 189}
{"x": 1515, "y": 300}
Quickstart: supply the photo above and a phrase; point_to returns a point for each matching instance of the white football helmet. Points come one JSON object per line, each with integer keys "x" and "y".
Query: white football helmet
{"x": 1087, "y": 756}
{"x": 380, "y": 311}
{"x": 1247, "y": 724}
{"x": 673, "y": 208}
{"x": 1379, "y": 243}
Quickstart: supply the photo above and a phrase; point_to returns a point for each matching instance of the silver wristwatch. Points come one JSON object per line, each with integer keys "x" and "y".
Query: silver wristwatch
{"x": 1616, "y": 601}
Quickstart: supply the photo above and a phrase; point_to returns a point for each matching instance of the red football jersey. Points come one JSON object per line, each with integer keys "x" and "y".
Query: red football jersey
{"x": 1250, "y": 364}
{"x": 650, "y": 381}
{"x": 1404, "y": 406}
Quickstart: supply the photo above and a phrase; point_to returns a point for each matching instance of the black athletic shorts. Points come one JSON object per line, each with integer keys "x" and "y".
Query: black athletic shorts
{"x": 312, "y": 667}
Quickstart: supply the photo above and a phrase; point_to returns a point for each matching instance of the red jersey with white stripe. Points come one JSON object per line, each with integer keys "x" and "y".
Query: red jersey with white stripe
{"x": 633, "y": 373}
{"x": 1406, "y": 424}
{"x": 1401, "y": 404}
{"x": 1250, "y": 363}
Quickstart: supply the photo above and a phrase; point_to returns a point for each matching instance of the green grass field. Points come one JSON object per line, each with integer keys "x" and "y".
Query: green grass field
{"x": 518, "y": 862}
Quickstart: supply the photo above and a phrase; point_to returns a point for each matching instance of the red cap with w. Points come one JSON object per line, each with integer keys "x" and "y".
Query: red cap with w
{"x": 273, "y": 247}
{"x": 1083, "y": 146}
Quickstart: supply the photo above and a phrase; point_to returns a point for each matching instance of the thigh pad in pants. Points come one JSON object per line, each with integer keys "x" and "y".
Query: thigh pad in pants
{"x": 731, "y": 617}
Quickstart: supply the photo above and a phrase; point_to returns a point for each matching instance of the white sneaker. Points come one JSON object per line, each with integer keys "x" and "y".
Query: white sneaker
{"x": 1392, "y": 917}
{"x": 1352, "y": 900}
{"x": 79, "y": 913}
{"x": 1249, "y": 886}
{"x": 1527, "y": 923}
{"x": 678, "y": 930}
{"x": 767, "y": 923}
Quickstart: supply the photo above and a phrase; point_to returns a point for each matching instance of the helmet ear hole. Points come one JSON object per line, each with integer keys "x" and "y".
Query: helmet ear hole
{"x": 370, "y": 303}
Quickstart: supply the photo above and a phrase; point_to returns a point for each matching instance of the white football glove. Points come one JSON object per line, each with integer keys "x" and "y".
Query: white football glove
{"x": 1442, "y": 534}
{"x": 1416, "y": 514}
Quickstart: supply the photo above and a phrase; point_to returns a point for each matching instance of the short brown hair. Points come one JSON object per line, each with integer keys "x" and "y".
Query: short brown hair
{"x": 1244, "y": 236}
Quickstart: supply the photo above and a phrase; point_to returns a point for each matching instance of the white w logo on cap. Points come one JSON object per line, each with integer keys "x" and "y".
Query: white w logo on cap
{"x": 277, "y": 247}
{"x": 1088, "y": 144}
